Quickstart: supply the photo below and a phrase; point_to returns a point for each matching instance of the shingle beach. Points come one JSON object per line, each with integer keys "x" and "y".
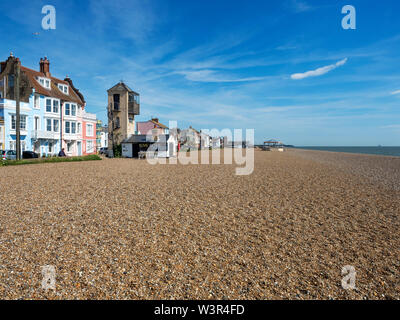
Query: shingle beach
{"x": 126, "y": 229}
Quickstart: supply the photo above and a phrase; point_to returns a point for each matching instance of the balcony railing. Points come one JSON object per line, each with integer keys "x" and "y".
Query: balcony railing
{"x": 40, "y": 134}
{"x": 71, "y": 136}
{"x": 133, "y": 108}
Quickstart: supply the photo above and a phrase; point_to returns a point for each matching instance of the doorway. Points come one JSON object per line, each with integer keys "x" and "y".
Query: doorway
{"x": 79, "y": 146}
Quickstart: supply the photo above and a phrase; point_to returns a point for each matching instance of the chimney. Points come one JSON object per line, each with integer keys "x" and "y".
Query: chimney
{"x": 45, "y": 66}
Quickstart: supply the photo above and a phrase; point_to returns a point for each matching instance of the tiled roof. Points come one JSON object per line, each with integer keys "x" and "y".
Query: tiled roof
{"x": 73, "y": 96}
{"x": 162, "y": 126}
{"x": 122, "y": 86}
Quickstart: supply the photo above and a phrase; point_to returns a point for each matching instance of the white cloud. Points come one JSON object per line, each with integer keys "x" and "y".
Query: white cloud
{"x": 211, "y": 76}
{"x": 318, "y": 72}
{"x": 395, "y": 92}
{"x": 300, "y": 6}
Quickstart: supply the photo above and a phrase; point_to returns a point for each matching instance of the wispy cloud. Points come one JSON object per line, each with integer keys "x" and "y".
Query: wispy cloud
{"x": 212, "y": 76}
{"x": 300, "y": 6}
{"x": 318, "y": 72}
{"x": 395, "y": 92}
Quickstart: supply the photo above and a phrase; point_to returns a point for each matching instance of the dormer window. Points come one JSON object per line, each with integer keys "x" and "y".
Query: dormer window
{"x": 44, "y": 82}
{"x": 63, "y": 88}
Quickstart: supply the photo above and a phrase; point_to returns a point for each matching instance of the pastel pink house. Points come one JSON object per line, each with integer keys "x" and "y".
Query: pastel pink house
{"x": 153, "y": 127}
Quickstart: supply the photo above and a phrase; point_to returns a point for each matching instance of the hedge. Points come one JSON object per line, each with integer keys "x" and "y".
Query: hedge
{"x": 49, "y": 160}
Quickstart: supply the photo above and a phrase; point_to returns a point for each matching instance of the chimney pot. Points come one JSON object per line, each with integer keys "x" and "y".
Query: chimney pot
{"x": 45, "y": 66}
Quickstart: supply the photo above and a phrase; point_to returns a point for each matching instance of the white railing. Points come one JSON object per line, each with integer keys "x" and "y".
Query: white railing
{"x": 40, "y": 134}
{"x": 72, "y": 136}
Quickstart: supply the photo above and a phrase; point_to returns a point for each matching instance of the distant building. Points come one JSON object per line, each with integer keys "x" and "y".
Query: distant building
{"x": 123, "y": 105}
{"x": 152, "y": 127}
{"x": 216, "y": 143}
{"x": 89, "y": 133}
{"x": 99, "y": 127}
{"x": 104, "y": 138}
{"x": 2, "y": 134}
{"x": 190, "y": 138}
{"x": 205, "y": 140}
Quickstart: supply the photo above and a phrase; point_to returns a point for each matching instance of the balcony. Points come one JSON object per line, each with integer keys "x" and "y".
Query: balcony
{"x": 133, "y": 108}
{"x": 72, "y": 136}
{"x": 39, "y": 134}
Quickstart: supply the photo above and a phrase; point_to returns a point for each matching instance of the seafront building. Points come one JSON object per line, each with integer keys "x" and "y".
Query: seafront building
{"x": 123, "y": 106}
{"x": 52, "y": 112}
{"x": 151, "y": 127}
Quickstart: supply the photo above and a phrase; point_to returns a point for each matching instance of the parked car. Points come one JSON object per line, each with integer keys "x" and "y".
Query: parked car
{"x": 103, "y": 150}
{"x": 8, "y": 154}
{"x": 29, "y": 155}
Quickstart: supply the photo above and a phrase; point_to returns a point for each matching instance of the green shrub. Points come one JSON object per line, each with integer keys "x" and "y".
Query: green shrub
{"x": 117, "y": 151}
{"x": 50, "y": 160}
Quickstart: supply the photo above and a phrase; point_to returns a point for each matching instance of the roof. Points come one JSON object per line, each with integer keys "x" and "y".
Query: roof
{"x": 121, "y": 86}
{"x": 73, "y": 96}
{"x": 159, "y": 124}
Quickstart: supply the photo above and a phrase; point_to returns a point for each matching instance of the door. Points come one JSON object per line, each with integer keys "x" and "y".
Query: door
{"x": 79, "y": 145}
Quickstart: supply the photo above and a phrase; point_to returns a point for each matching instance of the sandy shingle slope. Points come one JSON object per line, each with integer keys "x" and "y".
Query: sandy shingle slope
{"x": 125, "y": 229}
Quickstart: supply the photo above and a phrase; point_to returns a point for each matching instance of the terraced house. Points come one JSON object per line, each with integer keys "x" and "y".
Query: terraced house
{"x": 52, "y": 111}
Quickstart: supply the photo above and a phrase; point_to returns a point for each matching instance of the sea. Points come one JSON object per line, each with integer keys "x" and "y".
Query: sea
{"x": 385, "y": 151}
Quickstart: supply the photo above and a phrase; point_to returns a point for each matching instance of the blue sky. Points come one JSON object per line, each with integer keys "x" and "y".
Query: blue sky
{"x": 284, "y": 68}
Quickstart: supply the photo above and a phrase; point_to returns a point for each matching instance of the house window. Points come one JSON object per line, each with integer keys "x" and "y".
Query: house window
{"x": 73, "y": 109}
{"x": 116, "y": 102}
{"x": 67, "y": 127}
{"x": 89, "y": 130}
{"x": 73, "y": 127}
{"x": 48, "y": 124}
{"x": 134, "y": 98}
{"x": 37, "y": 102}
{"x": 63, "y": 88}
{"x": 55, "y": 106}
{"x": 79, "y": 129}
{"x": 117, "y": 124}
{"x": 67, "y": 109}
{"x": 89, "y": 146}
{"x": 11, "y": 80}
{"x": 69, "y": 146}
{"x": 56, "y": 125}
{"x": 22, "y": 123}
{"x": 48, "y": 105}
{"x": 50, "y": 147}
{"x": 44, "y": 82}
